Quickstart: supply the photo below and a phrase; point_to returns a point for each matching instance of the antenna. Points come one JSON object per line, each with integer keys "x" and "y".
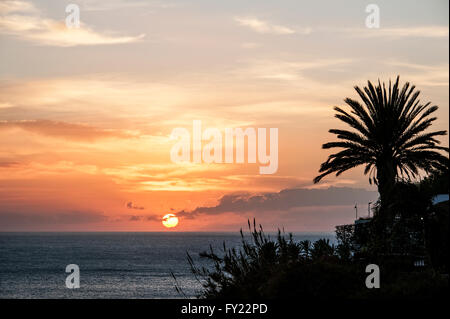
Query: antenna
{"x": 356, "y": 211}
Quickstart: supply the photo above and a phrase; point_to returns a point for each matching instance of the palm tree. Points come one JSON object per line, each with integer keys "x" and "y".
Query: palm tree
{"x": 388, "y": 137}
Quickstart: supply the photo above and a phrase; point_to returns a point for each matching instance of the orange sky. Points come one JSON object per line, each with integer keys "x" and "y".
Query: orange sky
{"x": 86, "y": 115}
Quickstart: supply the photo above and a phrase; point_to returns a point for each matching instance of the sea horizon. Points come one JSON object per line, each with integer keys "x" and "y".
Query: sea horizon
{"x": 111, "y": 264}
{"x": 159, "y": 232}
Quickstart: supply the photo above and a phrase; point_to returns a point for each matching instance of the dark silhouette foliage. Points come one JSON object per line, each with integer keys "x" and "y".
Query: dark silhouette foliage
{"x": 265, "y": 268}
{"x": 389, "y": 136}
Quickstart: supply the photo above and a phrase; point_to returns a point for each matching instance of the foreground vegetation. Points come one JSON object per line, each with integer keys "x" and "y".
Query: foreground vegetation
{"x": 282, "y": 268}
{"x": 407, "y": 238}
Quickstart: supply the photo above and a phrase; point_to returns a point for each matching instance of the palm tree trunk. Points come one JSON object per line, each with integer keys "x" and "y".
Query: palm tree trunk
{"x": 386, "y": 176}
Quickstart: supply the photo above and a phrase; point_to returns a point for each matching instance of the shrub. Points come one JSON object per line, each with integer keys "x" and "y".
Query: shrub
{"x": 265, "y": 268}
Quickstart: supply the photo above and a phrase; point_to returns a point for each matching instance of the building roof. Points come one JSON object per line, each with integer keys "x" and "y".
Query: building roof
{"x": 439, "y": 198}
{"x": 363, "y": 220}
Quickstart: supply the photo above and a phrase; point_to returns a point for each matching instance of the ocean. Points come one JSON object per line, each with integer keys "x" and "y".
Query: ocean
{"x": 112, "y": 265}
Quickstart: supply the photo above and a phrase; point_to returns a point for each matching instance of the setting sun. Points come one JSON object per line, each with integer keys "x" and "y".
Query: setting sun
{"x": 170, "y": 220}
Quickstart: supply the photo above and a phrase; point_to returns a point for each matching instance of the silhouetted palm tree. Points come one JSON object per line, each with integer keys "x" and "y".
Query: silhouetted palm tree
{"x": 305, "y": 248}
{"x": 389, "y": 136}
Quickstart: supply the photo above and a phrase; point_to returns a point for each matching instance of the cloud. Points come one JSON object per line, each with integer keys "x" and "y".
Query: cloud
{"x": 285, "y": 200}
{"x": 250, "y": 45}
{"x": 265, "y": 27}
{"x": 9, "y": 6}
{"x": 131, "y": 206}
{"x": 68, "y": 131}
{"x": 23, "y": 219}
{"x": 5, "y": 105}
{"x": 153, "y": 218}
{"x": 421, "y": 74}
{"x": 402, "y": 32}
{"x": 137, "y": 218}
{"x": 289, "y": 71}
{"x": 8, "y": 164}
{"x": 101, "y": 5}
{"x": 29, "y": 25}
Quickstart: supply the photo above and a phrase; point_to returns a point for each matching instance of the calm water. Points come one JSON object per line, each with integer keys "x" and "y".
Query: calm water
{"x": 112, "y": 265}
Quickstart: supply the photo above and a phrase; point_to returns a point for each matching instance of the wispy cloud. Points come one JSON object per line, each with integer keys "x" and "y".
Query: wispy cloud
{"x": 69, "y": 131}
{"x": 101, "y": 5}
{"x": 5, "y": 105}
{"x": 8, "y": 164}
{"x": 23, "y": 20}
{"x": 266, "y": 27}
{"x": 130, "y": 205}
{"x": 153, "y": 218}
{"x": 250, "y": 45}
{"x": 15, "y": 219}
{"x": 402, "y": 32}
{"x": 286, "y": 70}
{"x": 423, "y": 75}
{"x": 9, "y": 6}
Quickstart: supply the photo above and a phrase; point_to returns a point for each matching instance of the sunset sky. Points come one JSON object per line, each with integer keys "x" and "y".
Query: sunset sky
{"x": 86, "y": 114}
